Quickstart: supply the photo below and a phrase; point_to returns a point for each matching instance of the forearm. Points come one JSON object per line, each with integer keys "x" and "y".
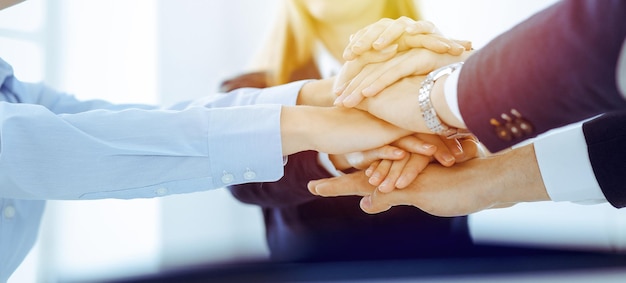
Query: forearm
{"x": 333, "y": 130}
{"x": 523, "y": 182}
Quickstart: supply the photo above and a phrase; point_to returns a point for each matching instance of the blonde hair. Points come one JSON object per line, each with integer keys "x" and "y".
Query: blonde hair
{"x": 290, "y": 44}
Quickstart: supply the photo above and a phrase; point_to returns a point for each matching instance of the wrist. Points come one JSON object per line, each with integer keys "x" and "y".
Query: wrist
{"x": 523, "y": 182}
{"x": 293, "y": 130}
{"x": 316, "y": 93}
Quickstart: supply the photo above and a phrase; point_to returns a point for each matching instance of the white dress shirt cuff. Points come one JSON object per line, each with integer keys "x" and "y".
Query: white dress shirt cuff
{"x": 450, "y": 93}
{"x": 565, "y": 167}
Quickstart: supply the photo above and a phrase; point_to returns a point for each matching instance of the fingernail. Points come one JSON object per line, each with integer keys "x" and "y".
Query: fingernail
{"x": 379, "y": 41}
{"x": 390, "y": 49}
{"x": 357, "y": 44}
{"x": 427, "y": 146}
{"x": 366, "y": 202}
{"x": 340, "y": 88}
{"x": 398, "y": 152}
{"x": 313, "y": 189}
{"x": 350, "y": 100}
{"x": 400, "y": 182}
{"x": 368, "y": 91}
{"x": 374, "y": 180}
{"x": 383, "y": 186}
{"x": 447, "y": 158}
{"x": 338, "y": 101}
{"x": 348, "y": 55}
{"x": 368, "y": 172}
{"x": 458, "y": 150}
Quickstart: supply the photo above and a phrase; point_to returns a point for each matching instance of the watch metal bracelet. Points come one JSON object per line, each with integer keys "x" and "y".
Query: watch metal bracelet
{"x": 429, "y": 114}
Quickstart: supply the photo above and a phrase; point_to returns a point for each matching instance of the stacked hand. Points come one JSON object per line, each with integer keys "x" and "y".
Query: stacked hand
{"x": 397, "y": 165}
{"x": 464, "y": 188}
{"x": 387, "y": 51}
{"x": 386, "y": 63}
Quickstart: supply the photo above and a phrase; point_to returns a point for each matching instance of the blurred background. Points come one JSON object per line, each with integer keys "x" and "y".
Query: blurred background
{"x": 160, "y": 52}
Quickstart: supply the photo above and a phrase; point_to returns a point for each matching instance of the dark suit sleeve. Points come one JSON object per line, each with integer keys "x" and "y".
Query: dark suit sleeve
{"x": 555, "y": 68}
{"x": 606, "y": 137}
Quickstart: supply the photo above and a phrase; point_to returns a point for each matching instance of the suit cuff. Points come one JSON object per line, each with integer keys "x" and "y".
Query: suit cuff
{"x": 565, "y": 167}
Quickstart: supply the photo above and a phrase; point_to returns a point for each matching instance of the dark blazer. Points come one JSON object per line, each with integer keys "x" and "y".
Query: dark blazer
{"x": 303, "y": 227}
{"x": 606, "y": 137}
{"x": 556, "y": 68}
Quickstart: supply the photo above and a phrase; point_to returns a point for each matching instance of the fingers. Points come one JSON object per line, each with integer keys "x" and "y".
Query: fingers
{"x": 380, "y": 172}
{"x": 361, "y": 160}
{"x": 351, "y": 68}
{"x": 373, "y": 208}
{"x": 383, "y": 33}
{"x": 411, "y": 170}
{"x": 417, "y": 145}
{"x": 393, "y": 173}
{"x": 403, "y": 172}
{"x": 455, "y": 147}
{"x": 443, "y": 153}
{"x": 465, "y": 43}
{"x": 364, "y": 39}
{"x": 433, "y": 42}
{"x": 346, "y": 185}
{"x": 397, "y": 28}
{"x": 421, "y": 27}
{"x": 379, "y": 202}
{"x": 376, "y": 77}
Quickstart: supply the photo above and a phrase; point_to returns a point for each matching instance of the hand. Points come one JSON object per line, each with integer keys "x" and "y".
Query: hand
{"x": 465, "y": 188}
{"x": 390, "y": 174}
{"x": 360, "y": 78}
{"x": 397, "y": 151}
{"x": 405, "y": 32}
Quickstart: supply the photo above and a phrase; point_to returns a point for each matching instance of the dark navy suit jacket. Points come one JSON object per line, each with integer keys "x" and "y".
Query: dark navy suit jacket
{"x": 606, "y": 137}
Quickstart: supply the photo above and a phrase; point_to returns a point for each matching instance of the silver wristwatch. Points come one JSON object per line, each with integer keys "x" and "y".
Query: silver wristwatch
{"x": 428, "y": 111}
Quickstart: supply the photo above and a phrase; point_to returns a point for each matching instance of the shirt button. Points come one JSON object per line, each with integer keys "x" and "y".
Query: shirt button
{"x": 9, "y": 211}
{"x": 161, "y": 191}
{"x": 249, "y": 175}
{"x": 227, "y": 178}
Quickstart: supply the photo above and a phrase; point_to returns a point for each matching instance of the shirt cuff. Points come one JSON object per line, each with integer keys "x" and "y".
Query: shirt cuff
{"x": 324, "y": 160}
{"x": 450, "y": 93}
{"x": 565, "y": 167}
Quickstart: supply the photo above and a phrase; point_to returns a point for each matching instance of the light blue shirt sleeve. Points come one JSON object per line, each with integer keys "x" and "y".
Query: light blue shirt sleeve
{"x": 136, "y": 151}
{"x": 53, "y": 146}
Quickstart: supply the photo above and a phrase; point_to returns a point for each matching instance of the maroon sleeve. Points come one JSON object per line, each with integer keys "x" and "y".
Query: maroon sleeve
{"x": 555, "y": 68}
